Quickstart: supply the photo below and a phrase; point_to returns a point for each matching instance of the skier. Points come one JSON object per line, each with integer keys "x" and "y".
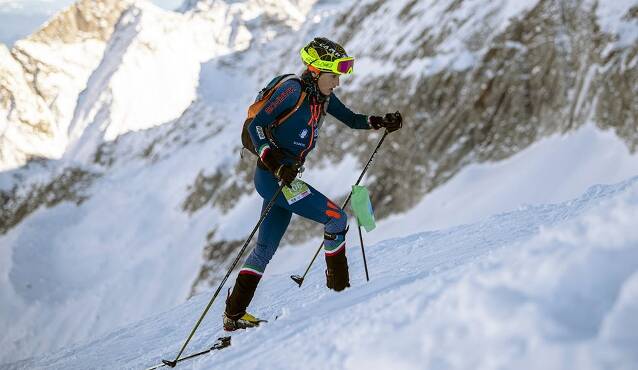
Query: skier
{"x": 282, "y": 150}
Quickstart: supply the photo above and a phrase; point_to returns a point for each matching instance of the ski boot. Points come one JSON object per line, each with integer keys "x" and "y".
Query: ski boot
{"x": 337, "y": 276}
{"x": 244, "y": 322}
{"x": 235, "y": 316}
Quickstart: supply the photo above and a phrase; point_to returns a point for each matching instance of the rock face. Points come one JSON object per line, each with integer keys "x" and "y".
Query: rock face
{"x": 548, "y": 70}
{"x": 26, "y": 115}
{"x": 42, "y": 76}
{"x": 85, "y": 20}
{"x": 18, "y": 203}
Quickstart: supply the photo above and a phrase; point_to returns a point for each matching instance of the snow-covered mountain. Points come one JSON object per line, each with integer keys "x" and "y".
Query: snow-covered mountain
{"x": 42, "y": 76}
{"x": 154, "y": 53}
{"x": 148, "y": 197}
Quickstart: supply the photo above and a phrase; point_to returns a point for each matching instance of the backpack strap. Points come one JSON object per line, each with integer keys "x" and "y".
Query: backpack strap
{"x": 283, "y": 117}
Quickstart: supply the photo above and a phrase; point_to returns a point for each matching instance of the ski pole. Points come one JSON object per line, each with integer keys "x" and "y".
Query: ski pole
{"x": 299, "y": 279}
{"x": 363, "y": 252}
{"x": 219, "y": 288}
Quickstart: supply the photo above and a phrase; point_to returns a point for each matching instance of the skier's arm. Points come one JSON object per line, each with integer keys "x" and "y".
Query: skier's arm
{"x": 339, "y": 111}
{"x": 283, "y": 99}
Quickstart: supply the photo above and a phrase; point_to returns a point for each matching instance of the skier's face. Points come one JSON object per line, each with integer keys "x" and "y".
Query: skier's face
{"x": 327, "y": 82}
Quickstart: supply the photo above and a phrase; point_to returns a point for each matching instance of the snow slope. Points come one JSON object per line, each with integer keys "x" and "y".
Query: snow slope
{"x": 109, "y": 279}
{"x": 551, "y": 170}
{"x": 550, "y": 286}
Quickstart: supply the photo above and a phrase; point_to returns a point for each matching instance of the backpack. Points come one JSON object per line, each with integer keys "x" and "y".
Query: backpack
{"x": 262, "y": 97}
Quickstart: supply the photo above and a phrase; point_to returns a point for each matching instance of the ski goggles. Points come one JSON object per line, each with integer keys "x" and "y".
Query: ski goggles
{"x": 338, "y": 66}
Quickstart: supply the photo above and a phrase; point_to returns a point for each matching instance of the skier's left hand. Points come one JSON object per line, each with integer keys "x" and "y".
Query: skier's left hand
{"x": 391, "y": 121}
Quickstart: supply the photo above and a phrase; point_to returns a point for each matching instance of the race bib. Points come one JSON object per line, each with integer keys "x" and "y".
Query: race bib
{"x": 296, "y": 191}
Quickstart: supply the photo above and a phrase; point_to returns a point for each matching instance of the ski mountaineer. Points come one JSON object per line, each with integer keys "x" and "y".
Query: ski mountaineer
{"x": 282, "y": 150}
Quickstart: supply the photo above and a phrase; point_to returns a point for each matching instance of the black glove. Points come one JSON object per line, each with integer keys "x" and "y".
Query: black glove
{"x": 273, "y": 159}
{"x": 391, "y": 121}
{"x": 287, "y": 173}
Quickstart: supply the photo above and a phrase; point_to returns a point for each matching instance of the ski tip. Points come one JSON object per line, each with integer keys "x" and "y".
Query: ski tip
{"x": 169, "y": 363}
{"x": 297, "y": 279}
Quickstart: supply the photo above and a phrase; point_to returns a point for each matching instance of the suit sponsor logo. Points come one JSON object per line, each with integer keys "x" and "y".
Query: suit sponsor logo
{"x": 298, "y": 143}
{"x": 260, "y": 132}
{"x": 279, "y": 99}
{"x": 303, "y": 133}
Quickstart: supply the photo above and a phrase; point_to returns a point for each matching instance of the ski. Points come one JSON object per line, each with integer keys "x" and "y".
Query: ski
{"x": 221, "y": 343}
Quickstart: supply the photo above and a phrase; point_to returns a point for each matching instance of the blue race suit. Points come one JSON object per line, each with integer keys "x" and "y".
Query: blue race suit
{"x": 297, "y": 136}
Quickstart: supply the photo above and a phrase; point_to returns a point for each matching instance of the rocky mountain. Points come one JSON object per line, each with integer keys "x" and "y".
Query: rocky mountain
{"x": 480, "y": 82}
{"x": 137, "y": 113}
{"x": 475, "y": 81}
{"x": 42, "y": 75}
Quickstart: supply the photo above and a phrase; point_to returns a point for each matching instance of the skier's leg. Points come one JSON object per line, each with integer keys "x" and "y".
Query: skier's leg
{"x": 334, "y": 245}
{"x": 270, "y": 234}
{"x": 317, "y": 207}
{"x": 271, "y": 231}
{"x": 321, "y": 209}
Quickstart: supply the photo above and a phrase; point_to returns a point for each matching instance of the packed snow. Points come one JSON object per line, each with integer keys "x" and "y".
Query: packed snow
{"x": 112, "y": 279}
{"x": 550, "y": 286}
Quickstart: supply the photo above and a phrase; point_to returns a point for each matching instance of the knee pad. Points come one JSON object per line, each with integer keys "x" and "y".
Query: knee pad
{"x": 336, "y": 236}
{"x": 334, "y": 243}
{"x": 337, "y": 224}
{"x": 335, "y": 231}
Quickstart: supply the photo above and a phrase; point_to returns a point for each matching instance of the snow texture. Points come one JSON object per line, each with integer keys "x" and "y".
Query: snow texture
{"x": 551, "y": 286}
{"x": 615, "y": 19}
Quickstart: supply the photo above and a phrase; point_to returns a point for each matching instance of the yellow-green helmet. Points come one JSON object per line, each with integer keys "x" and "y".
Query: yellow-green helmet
{"x": 327, "y": 56}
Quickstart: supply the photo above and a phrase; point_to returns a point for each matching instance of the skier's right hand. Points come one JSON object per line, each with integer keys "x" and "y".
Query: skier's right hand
{"x": 391, "y": 121}
{"x": 287, "y": 173}
{"x": 273, "y": 158}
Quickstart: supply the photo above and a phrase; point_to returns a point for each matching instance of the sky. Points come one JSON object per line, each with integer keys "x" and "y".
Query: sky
{"x": 20, "y": 18}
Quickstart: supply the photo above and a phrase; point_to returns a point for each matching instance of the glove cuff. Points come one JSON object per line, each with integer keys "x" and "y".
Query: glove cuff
{"x": 263, "y": 151}
{"x": 269, "y": 160}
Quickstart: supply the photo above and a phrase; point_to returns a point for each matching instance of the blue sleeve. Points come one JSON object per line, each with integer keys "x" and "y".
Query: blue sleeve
{"x": 345, "y": 115}
{"x": 284, "y": 98}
